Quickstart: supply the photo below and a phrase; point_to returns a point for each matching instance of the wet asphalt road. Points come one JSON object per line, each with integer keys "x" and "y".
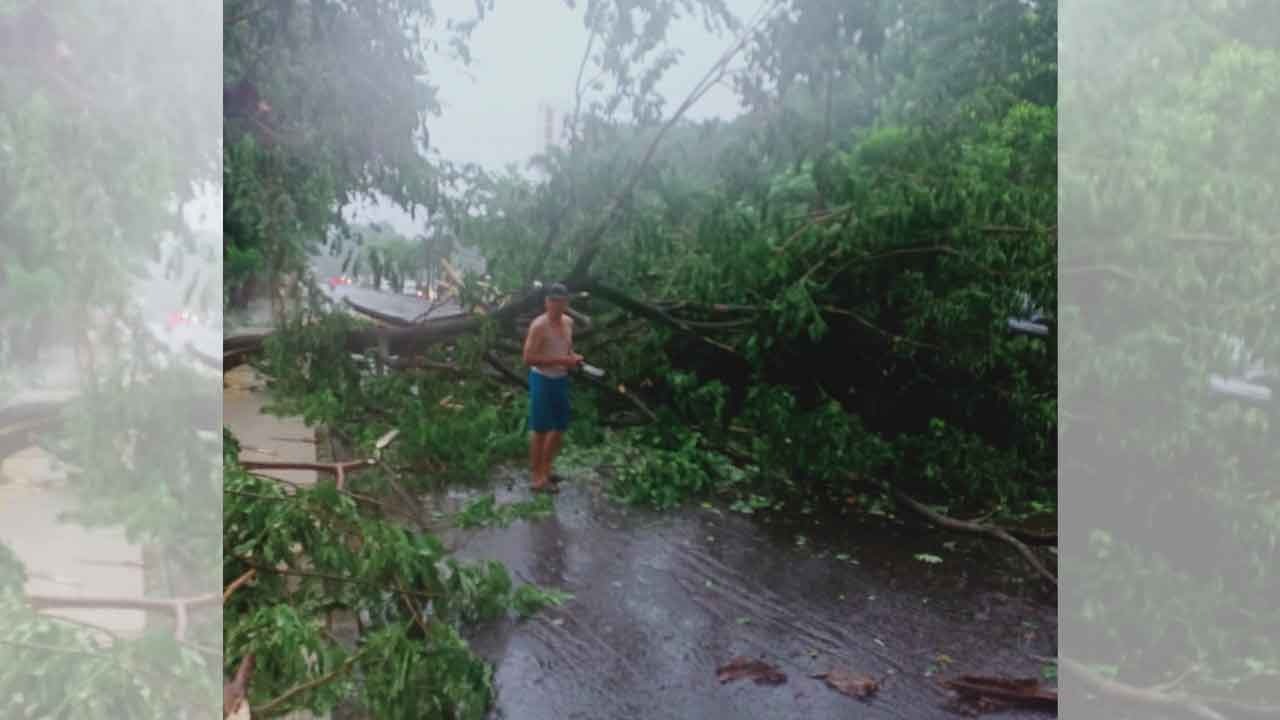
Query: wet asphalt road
{"x": 661, "y": 600}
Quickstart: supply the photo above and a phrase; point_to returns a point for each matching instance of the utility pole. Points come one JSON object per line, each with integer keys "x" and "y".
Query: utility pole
{"x": 548, "y": 137}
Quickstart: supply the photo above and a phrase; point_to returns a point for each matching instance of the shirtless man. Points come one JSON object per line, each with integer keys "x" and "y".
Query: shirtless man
{"x": 548, "y": 351}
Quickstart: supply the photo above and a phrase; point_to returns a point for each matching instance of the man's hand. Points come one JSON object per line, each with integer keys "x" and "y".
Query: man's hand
{"x": 573, "y": 360}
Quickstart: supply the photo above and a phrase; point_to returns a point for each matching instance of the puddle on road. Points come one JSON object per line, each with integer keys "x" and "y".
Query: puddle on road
{"x": 662, "y": 600}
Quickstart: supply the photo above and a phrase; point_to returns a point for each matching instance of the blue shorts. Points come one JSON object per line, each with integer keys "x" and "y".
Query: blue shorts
{"x": 548, "y": 403}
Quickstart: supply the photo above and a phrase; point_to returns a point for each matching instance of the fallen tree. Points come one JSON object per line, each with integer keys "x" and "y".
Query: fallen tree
{"x": 21, "y": 425}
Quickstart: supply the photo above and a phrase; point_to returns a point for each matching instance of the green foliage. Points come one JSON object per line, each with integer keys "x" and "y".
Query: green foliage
{"x": 259, "y": 180}
{"x": 807, "y": 450}
{"x": 394, "y": 680}
{"x": 485, "y": 511}
{"x": 964, "y": 467}
{"x": 387, "y": 258}
{"x": 13, "y": 575}
{"x": 530, "y": 599}
{"x": 143, "y": 460}
{"x": 318, "y": 556}
{"x": 753, "y": 503}
{"x": 628, "y": 38}
{"x": 449, "y": 431}
{"x": 56, "y": 668}
{"x": 660, "y": 468}
{"x": 307, "y": 132}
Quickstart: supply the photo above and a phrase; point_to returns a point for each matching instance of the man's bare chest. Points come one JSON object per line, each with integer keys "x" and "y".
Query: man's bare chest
{"x": 557, "y": 336}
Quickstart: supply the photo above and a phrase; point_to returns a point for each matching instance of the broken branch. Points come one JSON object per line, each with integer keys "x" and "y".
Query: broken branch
{"x": 968, "y": 527}
{"x": 977, "y": 529}
{"x": 179, "y": 607}
{"x": 53, "y": 602}
{"x": 392, "y": 320}
{"x": 237, "y": 583}
{"x": 622, "y": 392}
{"x": 287, "y": 571}
{"x": 289, "y": 694}
{"x": 237, "y": 691}
{"x": 1023, "y": 692}
{"x": 507, "y": 373}
{"x": 339, "y": 470}
{"x": 651, "y": 312}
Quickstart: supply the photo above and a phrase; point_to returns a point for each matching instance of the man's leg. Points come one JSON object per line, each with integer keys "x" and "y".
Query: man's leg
{"x": 538, "y": 424}
{"x": 551, "y": 449}
{"x": 559, "y": 407}
{"x": 536, "y": 455}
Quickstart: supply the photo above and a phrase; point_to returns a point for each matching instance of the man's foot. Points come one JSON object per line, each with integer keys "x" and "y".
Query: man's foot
{"x": 556, "y": 479}
{"x": 545, "y": 487}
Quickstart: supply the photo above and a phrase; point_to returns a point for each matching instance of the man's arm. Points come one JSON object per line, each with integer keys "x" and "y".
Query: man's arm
{"x": 531, "y": 342}
{"x": 574, "y": 358}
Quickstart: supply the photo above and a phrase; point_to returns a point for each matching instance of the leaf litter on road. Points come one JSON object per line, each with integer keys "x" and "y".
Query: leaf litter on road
{"x": 745, "y": 668}
{"x": 857, "y": 685}
{"x": 995, "y": 694}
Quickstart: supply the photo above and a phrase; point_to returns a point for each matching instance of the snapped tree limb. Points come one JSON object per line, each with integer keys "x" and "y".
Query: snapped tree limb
{"x": 979, "y": 529}
{"x": 967, "y": 527}
{"x": 179, "y": 607}
{"x": 338, "y": 470}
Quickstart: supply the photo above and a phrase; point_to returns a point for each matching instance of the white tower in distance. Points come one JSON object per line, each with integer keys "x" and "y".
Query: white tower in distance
{"x": 546, "y": 126}
{"x": 552, "y": 121}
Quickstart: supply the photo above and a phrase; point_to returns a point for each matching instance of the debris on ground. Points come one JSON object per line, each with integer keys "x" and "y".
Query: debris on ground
{"x": 243, "y": 377}
{"x": 989, "y": 694}
{"x": 857, "y": 685}
{"x": 740, "y": 668}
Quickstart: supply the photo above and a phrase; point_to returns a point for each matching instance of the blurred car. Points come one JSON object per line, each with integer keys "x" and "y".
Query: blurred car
{"x": 189, "y": 334}
{"x": 1031, "y": 321}
{"x": 181, "y": 318}
{"x": 418, "y": 291}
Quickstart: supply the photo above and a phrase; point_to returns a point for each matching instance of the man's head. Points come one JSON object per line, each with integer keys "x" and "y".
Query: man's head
{"x": 557, "y": 299}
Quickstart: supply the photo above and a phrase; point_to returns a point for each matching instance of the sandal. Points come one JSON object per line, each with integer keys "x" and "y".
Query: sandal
{"x": 545, "y": 488}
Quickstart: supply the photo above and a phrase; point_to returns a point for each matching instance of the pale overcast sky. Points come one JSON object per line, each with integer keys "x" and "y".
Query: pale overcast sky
{"x": 525, "y": 53}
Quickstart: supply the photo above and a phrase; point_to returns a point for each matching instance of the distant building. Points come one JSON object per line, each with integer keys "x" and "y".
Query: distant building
{"x": 553, "y": 124}
{"x": 468, "y": 260}
{"x": 546, "y": 126}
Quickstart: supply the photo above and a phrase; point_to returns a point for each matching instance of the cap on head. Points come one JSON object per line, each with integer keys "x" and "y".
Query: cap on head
{"x": 557, "y": 292}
